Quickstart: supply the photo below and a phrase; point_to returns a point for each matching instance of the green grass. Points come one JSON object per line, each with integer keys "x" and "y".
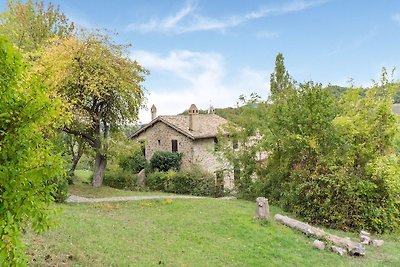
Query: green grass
{"x": 193, "y": 232}
{"x": 83, "y": 188}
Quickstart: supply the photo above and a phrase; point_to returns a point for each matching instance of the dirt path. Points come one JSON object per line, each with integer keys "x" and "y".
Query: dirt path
{"x": 78, "y": 199}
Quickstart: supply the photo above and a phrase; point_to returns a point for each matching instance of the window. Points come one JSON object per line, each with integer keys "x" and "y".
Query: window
{"x": 159, "y": 141}
{"x": 174, "y": 145}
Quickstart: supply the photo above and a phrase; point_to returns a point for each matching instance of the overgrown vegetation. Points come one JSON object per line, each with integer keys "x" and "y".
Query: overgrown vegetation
{"x": 334, "y": 163}
{"x": 134, "y": 163}
{"x": 164, "y": 161}
{"x": 125, "y": 161}
{"x": 193, "y": 181}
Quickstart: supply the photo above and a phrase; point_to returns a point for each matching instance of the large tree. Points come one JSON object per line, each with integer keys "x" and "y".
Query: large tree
{"x": 100, "y": 83}
{"x": 28, "y": 162}
{"x": 29, "y": 24}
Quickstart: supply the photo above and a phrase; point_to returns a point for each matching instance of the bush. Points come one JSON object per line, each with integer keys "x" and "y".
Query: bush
{"x": 134, "y": 163}
{"x": 158, "y": 181}
{"x": 60, "y": 190}
{"x": 164, "y": 161}
{"x": 193, "y": 181}
{"x": 119, "y": 178}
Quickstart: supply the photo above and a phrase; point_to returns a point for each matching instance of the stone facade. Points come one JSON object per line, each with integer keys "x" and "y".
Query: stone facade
{"x": 196, "y": 145}
{"x": 159, "y": 138}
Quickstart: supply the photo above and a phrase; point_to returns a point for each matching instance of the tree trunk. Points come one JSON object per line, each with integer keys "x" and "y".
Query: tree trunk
{"x": 99, "y": 168}
{"x": 78, "y": 143}
{"x": 353, "y": 248}
{"x": 75, "y": 160}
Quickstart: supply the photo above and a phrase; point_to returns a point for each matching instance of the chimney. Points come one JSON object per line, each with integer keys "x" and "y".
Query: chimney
{"x": 193, "y": 120}
{"x": 153, "y": 112}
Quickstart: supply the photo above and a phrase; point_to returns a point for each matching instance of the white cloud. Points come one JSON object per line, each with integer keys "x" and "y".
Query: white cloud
{"x": 187, "y": 19}
{"x": 204, "y": 76}
{"x": 167, "y": 24}
{"x": 396, "y": 18}
{"x": 267, "y": 35}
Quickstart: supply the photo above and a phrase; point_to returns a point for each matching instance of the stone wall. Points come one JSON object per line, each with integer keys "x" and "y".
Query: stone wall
{"x": 200, "y": 151}
{"x": 159, "y": 138}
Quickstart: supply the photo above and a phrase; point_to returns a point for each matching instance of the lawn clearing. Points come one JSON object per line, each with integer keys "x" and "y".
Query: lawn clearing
{"x": 190, "y": 232}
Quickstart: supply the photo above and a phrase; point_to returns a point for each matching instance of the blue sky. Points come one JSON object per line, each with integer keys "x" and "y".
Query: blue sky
{"x": 206, "y": 52}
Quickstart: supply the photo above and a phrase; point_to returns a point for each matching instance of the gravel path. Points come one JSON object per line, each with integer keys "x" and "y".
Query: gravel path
{"x": 78, "y": 199}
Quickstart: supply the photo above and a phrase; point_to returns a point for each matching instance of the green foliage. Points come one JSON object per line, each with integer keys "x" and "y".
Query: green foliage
{"x": 125, "y": 161}
{"x": 193, "y": 181}
{"x": 28, "y": 163}
{"x": 117, "y": 177}
{"x": 336, "y": 161}
{"x": 28, "y": 24}
{"x": 280, "y": 79}
{"x": 60, "y": 191}
{"x": 332, "y": 162}
{"x": 164, "y": 161}
{"x": 134, "y": 163}
{"x": 101, "y": 85}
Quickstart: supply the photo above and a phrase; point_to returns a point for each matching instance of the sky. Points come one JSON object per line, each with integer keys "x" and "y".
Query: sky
{"x": 211, "y": 52}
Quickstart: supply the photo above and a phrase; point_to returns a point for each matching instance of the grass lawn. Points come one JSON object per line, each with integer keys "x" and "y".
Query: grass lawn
{"x": 83, "y": 188}
{"x": 191, "y": 232}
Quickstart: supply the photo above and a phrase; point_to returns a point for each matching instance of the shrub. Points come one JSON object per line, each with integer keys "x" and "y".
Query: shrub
{"x": 159, "y": 180}
{"x": 60, "y": 190}
{"x": 119, "y": 178}
{"x": 134, "y": 163}
{"x": 164, "y": 161}
{"x": 193, "y": 181}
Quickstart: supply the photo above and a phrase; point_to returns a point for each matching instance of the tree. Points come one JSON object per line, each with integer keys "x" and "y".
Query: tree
{"x": 28, "y": 25}
{"x": 75, "y": 146}
{"x": 243, "y": 144}
{"x": 28, "y": 162}
{"x": 100, "y": 84}
{"x": 333, "y": 160}
{"x": 280, "y": 79}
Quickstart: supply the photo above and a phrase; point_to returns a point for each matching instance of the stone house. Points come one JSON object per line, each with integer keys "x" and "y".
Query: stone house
{"x": 194, "y": 135}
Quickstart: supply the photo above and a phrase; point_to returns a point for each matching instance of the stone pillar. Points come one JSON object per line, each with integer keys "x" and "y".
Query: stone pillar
{"x": 262, "y": 208}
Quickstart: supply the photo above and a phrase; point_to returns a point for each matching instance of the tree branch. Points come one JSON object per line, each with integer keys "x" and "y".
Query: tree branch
{"x": 90, "y": 139}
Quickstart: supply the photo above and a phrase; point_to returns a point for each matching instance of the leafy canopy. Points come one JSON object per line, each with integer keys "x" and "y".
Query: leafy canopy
{"x": 333, "y": 162}
{"x": 29, "y": 24}
{"x": 28, "y": 162}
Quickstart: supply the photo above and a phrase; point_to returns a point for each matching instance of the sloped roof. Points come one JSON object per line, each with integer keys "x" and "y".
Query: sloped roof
{"x": 208, "y": 125}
